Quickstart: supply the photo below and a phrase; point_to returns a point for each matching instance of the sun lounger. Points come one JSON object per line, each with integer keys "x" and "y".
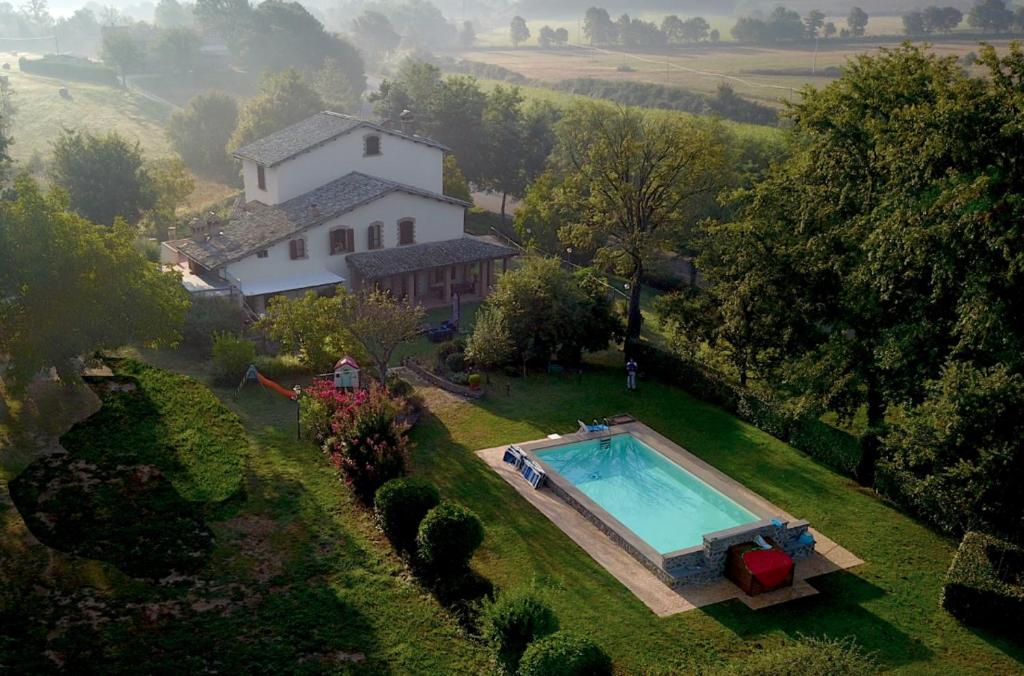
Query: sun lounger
{"x": 584, "y": 427}
{"x": 514, "y": 457}
{"x": 532, "y": 473}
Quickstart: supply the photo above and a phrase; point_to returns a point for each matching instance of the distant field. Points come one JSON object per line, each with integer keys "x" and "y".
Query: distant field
{"x": 41, "y": 112}
{"x": 766, "y": 74}
{"x": 499, "y": 37}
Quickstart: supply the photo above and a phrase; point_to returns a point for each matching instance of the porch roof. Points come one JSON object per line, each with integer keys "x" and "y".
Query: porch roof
{"x": 406, "y": 259}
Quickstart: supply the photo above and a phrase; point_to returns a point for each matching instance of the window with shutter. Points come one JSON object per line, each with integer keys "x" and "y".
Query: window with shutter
{"x": 406, "y": 232}
{"x": 342, "y": 241}
{"x": 261, "y": 177}
{"x": 297, "y": 249}
{"x": 374, "y": 236}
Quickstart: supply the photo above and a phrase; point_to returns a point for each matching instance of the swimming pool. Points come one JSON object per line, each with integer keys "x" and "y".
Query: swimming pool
{"x": 663, "y": 504}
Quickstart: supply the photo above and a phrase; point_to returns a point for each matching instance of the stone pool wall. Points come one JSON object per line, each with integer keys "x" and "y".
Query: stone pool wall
{"x": 699, "y": 564}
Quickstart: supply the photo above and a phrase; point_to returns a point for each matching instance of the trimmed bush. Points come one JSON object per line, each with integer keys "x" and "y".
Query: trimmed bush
{"x": 69, "y": 68}
{"x": 565, "y": 654}
{"x": 209, "y": 316}
{"x": 474, "y": 380}
{"x": 232, "y": 355}
{"x": 447, "y": 538}
{"x": 985, "y": 582}
{"x": 826, "y": 444}
{"x": 400, "y": 506}
{"x": 513, "y": 621}
{"x": 807, "y": 657}
{"x": 282, "y": 366}
{"x": 455, "y": 362}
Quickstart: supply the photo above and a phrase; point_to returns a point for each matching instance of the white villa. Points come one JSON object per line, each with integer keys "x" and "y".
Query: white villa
{"x": 334, "y": 200}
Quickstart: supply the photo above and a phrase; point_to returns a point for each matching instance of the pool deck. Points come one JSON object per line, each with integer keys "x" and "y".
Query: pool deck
{"x": 663, "y": 601}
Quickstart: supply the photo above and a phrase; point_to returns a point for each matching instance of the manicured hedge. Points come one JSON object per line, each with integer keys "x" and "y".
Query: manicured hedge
{"x": 985, "y": 582}
{"x": 830, "y": 446}
{"x": 514, "y": 620}
{"x": 69, "y": 68}
{"x": 447, "y": 538}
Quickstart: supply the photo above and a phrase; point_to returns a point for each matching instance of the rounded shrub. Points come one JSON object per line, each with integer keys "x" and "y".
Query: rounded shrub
{"x": 565, "y": 654}
{"x": 400, "y": 505}
{"x": 513, "y": 621}
{"x": 456, "y": 362}
{"x": 448, "y": 536}
{"x": 232, "y": 355}
{"x": 474, "y": 380}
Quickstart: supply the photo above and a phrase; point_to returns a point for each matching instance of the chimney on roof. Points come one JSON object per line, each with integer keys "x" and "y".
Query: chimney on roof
{"x": 172, "y": 232}
{"x": 314, "y": 210}
{"x": 408, "y": 118}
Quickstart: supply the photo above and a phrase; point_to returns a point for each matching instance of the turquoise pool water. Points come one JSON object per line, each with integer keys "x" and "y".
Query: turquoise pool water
{"x": 661, "y": 502}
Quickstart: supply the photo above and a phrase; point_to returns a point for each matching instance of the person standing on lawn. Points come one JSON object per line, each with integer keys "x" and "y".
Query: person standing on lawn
{"x": 631, "y": 370}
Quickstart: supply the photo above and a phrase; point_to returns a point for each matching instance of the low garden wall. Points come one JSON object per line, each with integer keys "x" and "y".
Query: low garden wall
{"x": 985, "y": 582}
{"x": 438, "y": 381}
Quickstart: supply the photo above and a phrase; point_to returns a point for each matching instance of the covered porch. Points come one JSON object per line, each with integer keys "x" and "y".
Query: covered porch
{"x": 431, "y": 274}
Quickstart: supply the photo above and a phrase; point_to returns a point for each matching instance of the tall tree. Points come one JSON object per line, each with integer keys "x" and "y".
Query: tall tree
{"x": 814, "y": 21}
{"x": 906, "y": 247}
{"x": 177, "y": 50}
{"x": 374, "y": 34}
{"x": 518, "y": 31}
{"x": 380, "y": 323}
{"x": 123, "y": 52}
{"x": 172, "y": 14}
{"x": 467, "y": 34}
{"x": 857, "y": 21}
{"x": 991, "y": 16}
{"x": 335, "y": 87}
{"x": 201, "y": 131}
{"x": 629, "y": 181}
{"x": 104, "y": 176}
{"x": 70, "y": 288}
{"x": 284, "y": 99}
{"x": 598, "y": 27}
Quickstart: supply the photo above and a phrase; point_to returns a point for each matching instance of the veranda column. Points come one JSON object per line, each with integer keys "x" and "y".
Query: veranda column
{"x": 448, "y": 276}
{"x": 412, "y": 288}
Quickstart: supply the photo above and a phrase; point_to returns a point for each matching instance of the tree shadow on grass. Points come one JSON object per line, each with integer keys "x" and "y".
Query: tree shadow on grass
{"x": 836, "y": 611}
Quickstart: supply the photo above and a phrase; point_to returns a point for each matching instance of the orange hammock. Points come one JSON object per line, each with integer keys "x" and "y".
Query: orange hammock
{"x": 267, "y": 382}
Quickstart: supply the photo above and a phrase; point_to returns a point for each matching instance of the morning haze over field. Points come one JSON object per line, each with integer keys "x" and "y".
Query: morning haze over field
{"x": 524, "y": 338}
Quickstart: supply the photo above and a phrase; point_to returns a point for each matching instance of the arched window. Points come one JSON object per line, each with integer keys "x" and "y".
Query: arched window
{"x": 371, "y": 145}
{"x": 375, "y": 236}
{"x": 406, "y": 231}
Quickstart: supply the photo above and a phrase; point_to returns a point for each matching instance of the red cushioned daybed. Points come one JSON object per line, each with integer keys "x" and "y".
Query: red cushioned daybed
{"x": 756, "y": 570}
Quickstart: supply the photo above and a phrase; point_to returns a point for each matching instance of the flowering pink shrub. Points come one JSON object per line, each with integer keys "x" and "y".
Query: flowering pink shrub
{"x": 360, "y": 434}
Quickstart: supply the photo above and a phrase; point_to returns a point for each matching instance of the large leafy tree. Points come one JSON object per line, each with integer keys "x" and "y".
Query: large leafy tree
{"x": 200, "y": 133}
{"x": 124, "y": 52}
{"x": 549, "y": 311}
{"x": 958, "y": 457}
{"x": 177, "y": 50}
{"x": 104, "y": 176}
{"x": 311, "y": 326}
{"x": 284, "y": 99}
{"x": 628, "y": 182}
{"x": 380, "y": 323}
{"x": 69, "y": 287}
{"x": 901, "y": 205}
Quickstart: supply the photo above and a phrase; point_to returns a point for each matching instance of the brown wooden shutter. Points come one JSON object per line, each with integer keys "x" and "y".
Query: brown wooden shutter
{"x": 293, "y": 249}
{"x": 350, "y": 240}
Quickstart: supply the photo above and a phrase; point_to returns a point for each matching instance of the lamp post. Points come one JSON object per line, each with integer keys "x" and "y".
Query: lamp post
{"x": 298, "y": 412}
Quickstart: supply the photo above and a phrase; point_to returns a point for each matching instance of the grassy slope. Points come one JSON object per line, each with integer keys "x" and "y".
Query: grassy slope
{"x": 298, "y": 577}
{"x": 40, "y": 114}
{"x": 890, "y": 604}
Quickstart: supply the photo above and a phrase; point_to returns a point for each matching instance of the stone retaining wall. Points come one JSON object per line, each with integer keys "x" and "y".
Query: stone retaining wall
{"x": 438, "y": 381}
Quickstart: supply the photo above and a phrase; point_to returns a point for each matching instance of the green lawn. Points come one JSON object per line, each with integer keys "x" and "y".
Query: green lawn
{"x": 299, "y": 578}
{"x": 890, "y": 604}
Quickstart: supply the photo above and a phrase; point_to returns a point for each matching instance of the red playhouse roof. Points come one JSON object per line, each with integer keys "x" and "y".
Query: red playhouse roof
{"x": 346, "y": 361}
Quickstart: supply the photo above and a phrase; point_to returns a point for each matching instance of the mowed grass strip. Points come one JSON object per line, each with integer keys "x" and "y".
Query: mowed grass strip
{"x": 890, "y": 604}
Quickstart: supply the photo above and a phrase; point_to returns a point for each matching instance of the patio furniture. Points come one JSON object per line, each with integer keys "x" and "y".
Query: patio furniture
{"x": 532, "y": 473}
{"x": 514, "y": 457}
{"x": 756, "y": 570}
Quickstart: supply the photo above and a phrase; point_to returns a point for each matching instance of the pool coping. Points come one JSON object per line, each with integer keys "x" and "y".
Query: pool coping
{"x": 721, "y": 482}
{"x": 647, "y": 586}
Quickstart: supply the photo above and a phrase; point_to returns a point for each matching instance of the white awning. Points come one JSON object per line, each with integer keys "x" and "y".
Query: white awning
{"x": 312, "y": 280}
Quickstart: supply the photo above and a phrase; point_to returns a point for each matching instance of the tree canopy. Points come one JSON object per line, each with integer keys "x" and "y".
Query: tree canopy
{"x": 70, "y": 288}
{"x": 200, "y": 133}
{"x": 104, "y": 176}
{"x": 284, "y": 99}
